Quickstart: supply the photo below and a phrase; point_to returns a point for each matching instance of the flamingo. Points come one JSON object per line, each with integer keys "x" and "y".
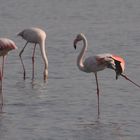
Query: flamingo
{"x": 99, "y": 62}
{"x": 36, "y": 36}
{"x": 6, "y": 45}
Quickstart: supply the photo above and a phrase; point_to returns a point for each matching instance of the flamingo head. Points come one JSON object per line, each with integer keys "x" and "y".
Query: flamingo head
{"x": 78, "y": 38}
{"x": 119, "y": 65}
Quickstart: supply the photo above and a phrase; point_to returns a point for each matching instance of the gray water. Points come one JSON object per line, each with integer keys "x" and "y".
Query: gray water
{"x": 65, "y": 108}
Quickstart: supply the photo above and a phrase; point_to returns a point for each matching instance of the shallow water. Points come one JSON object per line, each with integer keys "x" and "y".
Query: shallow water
{"x": 65, "y": 108}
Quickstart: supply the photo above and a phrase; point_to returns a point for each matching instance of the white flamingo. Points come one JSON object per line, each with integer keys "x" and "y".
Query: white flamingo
{"x": 99, "y": 62}
{"x": 36, "y": 36}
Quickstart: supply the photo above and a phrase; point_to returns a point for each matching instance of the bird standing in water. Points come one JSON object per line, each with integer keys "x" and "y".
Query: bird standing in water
{"x": 6, "y": 45}
{"x": 99, "y": 62}
{"x": 36, "y": 36}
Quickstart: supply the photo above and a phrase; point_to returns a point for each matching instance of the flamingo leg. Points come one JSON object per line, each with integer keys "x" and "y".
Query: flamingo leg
{"x": 1, "y": 98}
{"x": 1, "y": 78}
{"x": 130, "y": 80}
{"x": 33, "y": 56}
{"x": 3, "y": 65}
{"x": 2, "y": 70}
{"x": 97, "y": 93}
{"x": 24, "y": 72}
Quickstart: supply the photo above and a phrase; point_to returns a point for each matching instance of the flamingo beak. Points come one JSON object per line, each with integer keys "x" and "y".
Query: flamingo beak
{"x": 74, "y": 44}
{"x": 19, "y": 34}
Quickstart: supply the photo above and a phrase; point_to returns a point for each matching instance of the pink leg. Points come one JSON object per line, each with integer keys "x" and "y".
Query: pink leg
{"x": 0, "y": 75}
{"x": 1, "y": 78}
{"x": 1, "y": 97}
{"x": 97, "y": 93}
{"x": 33, "y": 60}
{"x": 3, "y": 65}
{"x": 24, "y": 72}
{"x": 2, "y": 70}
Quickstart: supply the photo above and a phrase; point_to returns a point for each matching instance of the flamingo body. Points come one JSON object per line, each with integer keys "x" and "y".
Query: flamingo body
{"x": 96, "y": 63}
{"x": 6, "y": 45}
{"x": 33, "y": 35}
{"x": 36, "y": 36}
{"x": 99, "y": 62}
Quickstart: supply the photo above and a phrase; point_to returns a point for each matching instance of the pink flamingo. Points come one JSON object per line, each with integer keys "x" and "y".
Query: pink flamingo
{"x": 36, "y": 36}
{"x": 93, "y": 64}
{"x": 6, "y": 45}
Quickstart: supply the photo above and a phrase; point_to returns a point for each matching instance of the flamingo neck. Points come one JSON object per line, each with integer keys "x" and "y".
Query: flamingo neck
{"x": 81, "y": 55}
{"x": 44, "y": 57}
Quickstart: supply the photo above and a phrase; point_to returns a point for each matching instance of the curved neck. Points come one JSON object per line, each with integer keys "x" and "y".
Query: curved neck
{"x": 44, "y": 56}
{"x": 81, "y": 55}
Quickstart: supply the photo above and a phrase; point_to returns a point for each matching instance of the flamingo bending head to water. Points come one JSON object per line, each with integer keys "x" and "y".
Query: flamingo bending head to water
{"x": 36, "y": 36}
{"x": 99, "y": 62}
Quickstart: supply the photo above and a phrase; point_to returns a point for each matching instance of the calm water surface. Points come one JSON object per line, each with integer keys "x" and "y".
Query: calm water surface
{"x": 65, "y": 108}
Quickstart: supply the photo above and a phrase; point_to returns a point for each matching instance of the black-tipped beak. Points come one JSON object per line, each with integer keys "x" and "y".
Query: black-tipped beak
{"x": 19, "y": 33}
{"x": 74, "y": 43}
{"x": 74, "y": 46}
